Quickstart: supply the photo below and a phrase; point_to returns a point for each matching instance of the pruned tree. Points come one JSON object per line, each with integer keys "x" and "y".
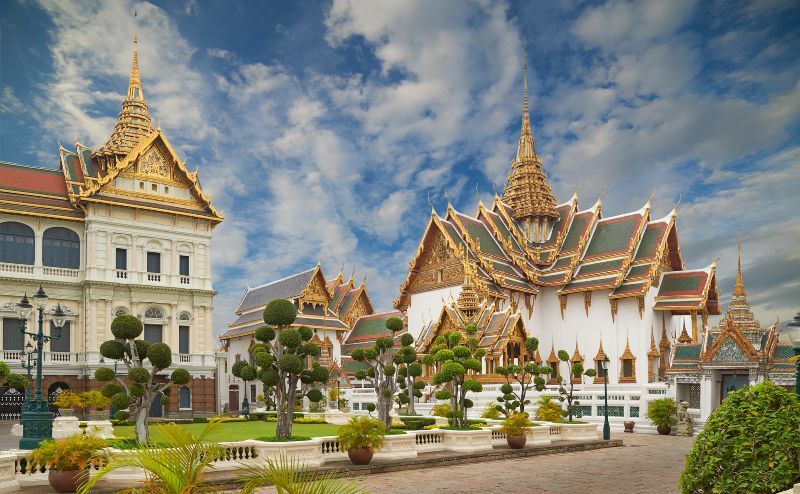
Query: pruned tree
{"x": 143, "y": 362}
{"x": 246, "y": 372}
{"x": 281, "y": 360}
{"x": 380, "y": 371}
{"x": 408, "y": 370}
{"x": 566, "y": 394}
{"x": 457, "y": 357}
{"x": 528, "y": 376}
{"x": 16, "y": 381}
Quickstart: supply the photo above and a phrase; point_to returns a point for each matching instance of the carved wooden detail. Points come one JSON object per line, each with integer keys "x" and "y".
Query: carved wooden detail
{"x": 439, "y": 267}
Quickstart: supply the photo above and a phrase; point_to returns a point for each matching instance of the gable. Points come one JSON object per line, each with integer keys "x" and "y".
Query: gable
{"x": 729, "y": 351}
{"x": 316, "y": 290}
{"x": 438, "y": 266}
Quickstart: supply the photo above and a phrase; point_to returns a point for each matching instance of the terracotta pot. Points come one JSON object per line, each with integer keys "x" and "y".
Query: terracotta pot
{"x": 629, "y": 424}
{"x": 516, "y": 442}
{"x": 664, "y": 430}
{"x": 67, "y": 481}
{"x": 360, "y": 456}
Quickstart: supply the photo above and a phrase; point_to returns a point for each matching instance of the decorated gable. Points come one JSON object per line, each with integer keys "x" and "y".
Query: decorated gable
{"x": 438, "y": 265}
{"x": 729, "y": 351}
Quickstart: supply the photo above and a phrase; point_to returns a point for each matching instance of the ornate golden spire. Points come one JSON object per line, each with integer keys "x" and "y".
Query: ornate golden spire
{"x": 738, "y": 288}
{"x": 468, "y": 301}
{"x": 133, "y": 123}
{"x": 684, "y": 336}
{"x": 528, "y": 192}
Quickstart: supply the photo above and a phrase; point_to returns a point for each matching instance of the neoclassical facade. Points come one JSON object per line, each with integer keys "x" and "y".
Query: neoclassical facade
{"x": 122, "y": 229}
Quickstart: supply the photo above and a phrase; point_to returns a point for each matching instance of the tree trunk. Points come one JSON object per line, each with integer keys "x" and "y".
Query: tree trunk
{"x": 142, "y": 433}
{"x": 285, "y": 405}
{"x": 410, "y": 387}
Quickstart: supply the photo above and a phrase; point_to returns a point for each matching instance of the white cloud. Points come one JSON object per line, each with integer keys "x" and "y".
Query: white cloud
{"x": 9, "y": 103}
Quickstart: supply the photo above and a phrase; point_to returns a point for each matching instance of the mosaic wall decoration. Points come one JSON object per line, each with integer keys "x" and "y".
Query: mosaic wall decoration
{"x": 633, "y": 411}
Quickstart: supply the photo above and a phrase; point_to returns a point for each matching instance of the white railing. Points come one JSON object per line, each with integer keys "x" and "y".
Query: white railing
{"x": 16, "y": 268}
{"x": 184, "y": 280}
{"x": 184, "y": 358}
{"x": 122, "y": 274}
{"x": 154, "y": 277}
{"x": 12, "y": 355}
{"x": 63, "y": 272}
{"x": 61, "y": 357}
{"x": 431, "y": 440}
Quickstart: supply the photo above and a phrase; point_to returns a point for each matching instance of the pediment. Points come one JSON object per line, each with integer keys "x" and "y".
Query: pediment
{"x": 438, "y": 265}
{"x": 316, "y": 291}
{"x": 729, "y": 351}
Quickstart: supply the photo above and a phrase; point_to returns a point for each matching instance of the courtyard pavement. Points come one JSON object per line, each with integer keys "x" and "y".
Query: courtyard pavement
{"x": 646, "y": 464}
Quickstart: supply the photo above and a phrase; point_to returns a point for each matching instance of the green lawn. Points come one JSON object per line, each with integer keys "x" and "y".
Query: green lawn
{"x": 239, "y": 431}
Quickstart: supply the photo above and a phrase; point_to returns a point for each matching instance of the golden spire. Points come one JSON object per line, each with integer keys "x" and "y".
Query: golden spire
{"x": 527, "y": 191}
{"x": 133, "y": 123}
{"x": 684, "y": 336}
{"x": 468, "y": 302}
{"x": 738, "y": 288}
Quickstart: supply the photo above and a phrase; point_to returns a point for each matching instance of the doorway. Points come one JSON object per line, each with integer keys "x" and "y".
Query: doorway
{"x": 233, "y": 398}
{"x": 733, "y": 382}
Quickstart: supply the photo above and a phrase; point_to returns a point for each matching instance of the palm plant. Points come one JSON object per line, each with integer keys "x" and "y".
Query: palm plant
{"x": 175, "y": 468}
{"x": 361, "y": 432}
{"x": 290, "y": 477}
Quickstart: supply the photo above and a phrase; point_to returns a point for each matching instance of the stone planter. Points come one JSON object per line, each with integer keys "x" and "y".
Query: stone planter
{"x": 66, "y": 412}
{"x": 307, "y": 453}
{"x": 8, "y": 480}
{"x": 360, "y": 456}
{"x": 538, "y": 436}
{"x": 100, "y": 428}
{"x": 578, "y": 432}
{"x": 397, "y": 446}
{"x": 629, "y": 425}
{"x": 67, "y": 481}
{"x": 516, "y": 442}
{"x": 468, "y": 441}
{"x": 66, "y": 427}
{"x": 336, "y": 417}
{"x": 97, "y": 415}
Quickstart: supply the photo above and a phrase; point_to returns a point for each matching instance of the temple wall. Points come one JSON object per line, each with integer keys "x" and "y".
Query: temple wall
{"x": 425, "y": 307}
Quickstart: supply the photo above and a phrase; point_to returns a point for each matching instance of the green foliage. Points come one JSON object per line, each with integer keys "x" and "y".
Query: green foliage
{"x": 139, "y": 375}
{"x": 95, "y": 399}
{"x": 441, "y": 409}
{"x": 748, "y": 445}
{"x": 248, "y": 373}
{"x": 516, "y": 424}
{"x": 122, "y": 415}
{"x": 104, "y": 374}
{"x": 563, "y": 356}
{"x": 126, "y": 327}
{"x": 160, "y": 355}
{"x": 394, "y": 324}
{"x": 178, "y": 467}
{"x": 5, "y": 370}
{"x": 141, "y": 348}
{"x": 265, "y": 333}
{"x": 290, "y": 338}
{"x": 661, "y": 411}
{"x": 288, "y": 476}
{"x": 305, "y": 333}
{"x": 361, "y": 432}
{"x": 112, "y": 349}
{"x": 111, "y": 389}
{"x": 491, "y": 412}
{"x": 236, "y": 368}
{"x": 415, "y": 423}
{"x": 371, "y": 407}
{"x": 180, "y": 377}
{"x": 549, "y": 409}
{"x": 17, "y": 381}
{"x": 263, "y": 359}
{"x": 72, "y": 453}
{"x": 290, "y": 363}
{"x": 280, "y": 312}
{"x": 314, "y": 395}
{"x": 120, "y": 401}
{"x": 68, "y": 399}
{"x": 136, "y": 390}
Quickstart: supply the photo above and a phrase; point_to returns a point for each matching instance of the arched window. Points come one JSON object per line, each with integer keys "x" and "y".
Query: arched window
{"x": 185, "y": 397}
{"x": 61, "y": 248}
{"x": 120, "y": 311}
{"x": 153, "y": 313}
{"x": 17, "y": 243}
{"x": 184, "y": 316}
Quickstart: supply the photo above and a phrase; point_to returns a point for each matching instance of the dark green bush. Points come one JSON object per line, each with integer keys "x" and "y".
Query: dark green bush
{"x": 180, "y": 376}
{"x": 160, "y": 355}
{"x": 104, "y": 374}
{"x": 750, "y": 444}
{"x": 126, "y": 327}
{"x": 417, "y": 423}
{"x": 112, "y": 349}
{"x": 280, "y": 312}
{"x": 110, "y": 389}
{"x": 199, "y": 420}
{"x": 139, "y": 375}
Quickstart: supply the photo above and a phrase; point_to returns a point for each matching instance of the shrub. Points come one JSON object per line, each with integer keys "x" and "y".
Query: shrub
{"x": 440, "y": 409}
{"x": 112, "y": 349}
{"x": 72, "y": 453}
{"x": 126, "y": 327}
{"x": 516, "y": 424}
{"x": 96, "y": 400}
{"x": 68, "y": 399}
{"x": 749, "y": 444}
{"x": 491, "y": 412}
{"x": 160, "y": 355}
{"x": 361, "y": 432}
{"x": 280, "y": 312}
{"x": 180, "y": 376}
{"x": 104, "y": 374}
{"x": 660, "y": 411}
{"x": 549, "y": 410}
{"x": 417, "y": 423}
{"x": 139, "y": 375}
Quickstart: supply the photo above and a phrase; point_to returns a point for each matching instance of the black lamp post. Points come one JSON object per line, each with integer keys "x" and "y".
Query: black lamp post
{"x": 606, "y": 425}
{"x": 112, "y": 409}
{"x": 27, "y": 363}
{"x": 245, "y": 402}
{"x": 793, "y": 329}
{"x": 36, "y": 419}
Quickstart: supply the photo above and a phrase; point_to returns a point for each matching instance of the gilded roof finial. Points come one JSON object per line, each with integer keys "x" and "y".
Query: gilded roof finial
{"x": 738, "y": 289}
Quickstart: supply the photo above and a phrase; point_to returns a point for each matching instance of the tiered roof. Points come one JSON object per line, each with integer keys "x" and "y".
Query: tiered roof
{"x": 313, "y": 296}
{"x": 134, "y": 152}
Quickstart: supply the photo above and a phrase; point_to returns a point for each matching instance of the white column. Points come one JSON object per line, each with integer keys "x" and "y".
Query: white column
{"x": 706, "y": 395}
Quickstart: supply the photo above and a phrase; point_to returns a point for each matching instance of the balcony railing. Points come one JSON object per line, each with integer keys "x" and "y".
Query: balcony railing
{"x": 62, "y": 272}
{"x": 122, "y": 274}
{"x": 14, "y": 356}
{"x": 16, "y": 268}
{"x": 184, "y": 280}
{"x": 154, "y": 277}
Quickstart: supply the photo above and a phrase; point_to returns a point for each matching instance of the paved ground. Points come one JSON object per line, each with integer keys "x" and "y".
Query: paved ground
{"x": 646, "y": 464}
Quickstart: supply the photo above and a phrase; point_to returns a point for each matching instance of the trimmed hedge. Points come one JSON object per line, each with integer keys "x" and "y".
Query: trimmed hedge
{"x": 417, "y": 423}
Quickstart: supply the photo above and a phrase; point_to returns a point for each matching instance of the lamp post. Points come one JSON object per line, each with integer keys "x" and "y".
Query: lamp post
{"x": 606, "y": 425}
{"x": 111, "y": 410}
{"x": 25, "y": 360}
{"x": 793, "y": 329}
{"x": 36, "y": 419}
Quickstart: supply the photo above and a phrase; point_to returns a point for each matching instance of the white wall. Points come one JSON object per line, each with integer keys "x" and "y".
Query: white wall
{"x": 426, "y": 307}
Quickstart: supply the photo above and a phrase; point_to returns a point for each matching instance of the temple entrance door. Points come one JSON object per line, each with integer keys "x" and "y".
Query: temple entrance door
{"x": 233, "y": 398}
{"x": 156, "y": 408}
{"x": 733, "y": 382}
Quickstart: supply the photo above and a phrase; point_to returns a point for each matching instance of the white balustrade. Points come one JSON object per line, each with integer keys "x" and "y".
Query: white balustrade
{"x": 16, "y": 268}
{"x": 61, "y": 272}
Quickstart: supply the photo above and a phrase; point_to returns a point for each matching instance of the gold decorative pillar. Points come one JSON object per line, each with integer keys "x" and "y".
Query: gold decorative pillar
{"x": 695, "y": 337}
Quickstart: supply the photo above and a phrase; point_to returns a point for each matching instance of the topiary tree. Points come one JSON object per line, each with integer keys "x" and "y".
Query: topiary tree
{"x": 143, "y": 361}
{"x": 456, "y": 359}
{"x": 281, "y": 360}
{"x": 749, "y": 444}
{"x": 16, "y": 381}
{"x": 408, "y": 370}
{"x": 245, "y": 372}
{"x": 380, "y": 370}
{"x": 566, "y": 393}
{"x": 527, "y": 377}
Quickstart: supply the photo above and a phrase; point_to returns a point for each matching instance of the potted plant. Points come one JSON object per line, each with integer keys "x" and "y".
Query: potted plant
{"x": 360, "y": 436}
{"x": 629, "y": 424}
{"x": 95, "y": 399}
{"x": 660, "y": 414}
{"x": 515, "y": 427}
{"x": 67, "y": 402}
{"x": 69, "y": 460}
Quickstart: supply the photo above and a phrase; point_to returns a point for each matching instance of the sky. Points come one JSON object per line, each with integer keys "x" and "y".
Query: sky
{"x": 323, "y": 129}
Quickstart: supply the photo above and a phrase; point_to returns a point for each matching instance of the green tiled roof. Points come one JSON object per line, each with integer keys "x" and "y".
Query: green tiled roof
{"x": 612, "y": 236}
{"x": 681, "y": 283}
{"x": 575, "y": 230}
{"x": 639, "y": 271}
{"x": 783, "y": 352}
{"x": 629, "y": 288}
{"x": 505, "y": 268}
{"x": 649, "y": 243}
{"x": 599, "y": 267}
{"x": 687, "y": 352}
{"x": 590, "y": 283}
{"x": 552, "y": 278}
{"x": 478, "y": 230}
{"x": 371, "y": 325}
{"x": 561, "y": 263}
{"x": 350, "y": 365}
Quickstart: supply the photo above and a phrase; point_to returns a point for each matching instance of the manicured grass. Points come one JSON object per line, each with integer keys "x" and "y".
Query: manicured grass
{"x": 239, "y": 431}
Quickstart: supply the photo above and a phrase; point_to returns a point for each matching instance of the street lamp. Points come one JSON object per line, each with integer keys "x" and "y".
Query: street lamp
{"x": 25, "y": 358}
{"x": 606, "y": 426}
{"x": 793, "y": 329}
{"x": 36, "y": 418}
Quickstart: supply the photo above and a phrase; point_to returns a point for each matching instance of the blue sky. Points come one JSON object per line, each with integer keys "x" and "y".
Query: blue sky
{"x": 321, "y": 128}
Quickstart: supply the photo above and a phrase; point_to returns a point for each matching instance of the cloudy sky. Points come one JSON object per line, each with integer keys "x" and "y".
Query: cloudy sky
{"x": 321, "y": 128}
